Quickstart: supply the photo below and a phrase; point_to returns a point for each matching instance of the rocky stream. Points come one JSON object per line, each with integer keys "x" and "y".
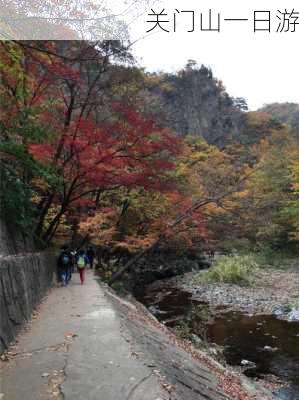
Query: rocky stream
{"x": 254, "y": 330}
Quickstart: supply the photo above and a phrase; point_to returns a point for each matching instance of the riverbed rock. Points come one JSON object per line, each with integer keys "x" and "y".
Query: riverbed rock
{"x": 293, "y": 315}
{"x": 272, "y": 292}
{"x": 269, "y": 348}
{"x": 196, "y": 340}
{"x": 248, "y": 364}
{"x": 155, "y": 310}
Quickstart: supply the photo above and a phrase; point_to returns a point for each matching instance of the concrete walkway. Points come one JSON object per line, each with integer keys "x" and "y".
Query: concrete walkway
{"x": 74, "y": 350}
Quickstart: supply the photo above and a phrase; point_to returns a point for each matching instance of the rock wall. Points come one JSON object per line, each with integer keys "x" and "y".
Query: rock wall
{"x": 24, "y": 281}
{"x": 25, "y": 277}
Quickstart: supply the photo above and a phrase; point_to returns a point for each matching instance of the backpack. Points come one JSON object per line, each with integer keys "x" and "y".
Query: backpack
{"x": 81, "y": 262}
{"x": 65, "y": 259}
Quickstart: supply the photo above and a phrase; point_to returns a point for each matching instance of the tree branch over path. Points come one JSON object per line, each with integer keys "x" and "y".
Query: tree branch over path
{"x": 185, "y": 216}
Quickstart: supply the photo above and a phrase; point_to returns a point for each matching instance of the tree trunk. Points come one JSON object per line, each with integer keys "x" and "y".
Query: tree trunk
{"x": 48, "y": 235}
{"x": 121, "y": 271}
{"x": 186, "y": 215}
{"x": 43, "y": 214}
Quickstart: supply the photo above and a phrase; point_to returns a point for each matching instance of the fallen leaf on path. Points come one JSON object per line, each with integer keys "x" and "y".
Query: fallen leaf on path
{"x": 70, "y": 334}
{"x": 12, "y": 353}
{"x": 26, "y": 355}
{"x": 168, "y": 387}
{"x": 134, "y": 354}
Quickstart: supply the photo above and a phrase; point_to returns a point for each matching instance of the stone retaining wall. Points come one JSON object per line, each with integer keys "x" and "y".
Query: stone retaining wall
{"x": 24, "y": 281}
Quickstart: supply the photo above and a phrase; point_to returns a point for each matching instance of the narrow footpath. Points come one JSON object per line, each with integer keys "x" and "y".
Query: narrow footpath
{"x": 74, "y": 350}
{"x": 83, "y": 345}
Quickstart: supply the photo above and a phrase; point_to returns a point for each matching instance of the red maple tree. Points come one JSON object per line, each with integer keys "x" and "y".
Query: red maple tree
{"x": 128, "y": 152}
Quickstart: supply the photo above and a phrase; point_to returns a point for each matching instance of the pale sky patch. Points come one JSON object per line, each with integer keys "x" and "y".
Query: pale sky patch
{"x": 262, "y": 67}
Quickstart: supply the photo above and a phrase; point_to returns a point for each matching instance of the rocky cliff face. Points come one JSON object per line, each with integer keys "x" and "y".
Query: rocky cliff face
{"x": 25, "y": 277}
{"x": 194, "y": 102}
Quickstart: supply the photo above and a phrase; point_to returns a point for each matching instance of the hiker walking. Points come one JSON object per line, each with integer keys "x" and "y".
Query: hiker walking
{"x": 64, "y": 266}
{"x": 74, "y": 260}
{"x": 82, "y": 261}
{"x": 91, "y": 255}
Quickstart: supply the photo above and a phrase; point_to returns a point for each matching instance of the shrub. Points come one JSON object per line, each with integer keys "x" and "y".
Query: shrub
{"x": 232, "y": 269}
{"x": 15, "y": 203}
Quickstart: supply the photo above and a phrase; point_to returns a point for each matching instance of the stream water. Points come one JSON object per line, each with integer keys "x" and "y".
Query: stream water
{"x": 266, "y": 344}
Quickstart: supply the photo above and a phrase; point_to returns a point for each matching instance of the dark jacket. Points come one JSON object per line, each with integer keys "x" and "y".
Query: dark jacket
{"x": 90, "y": 254}
{"x": 63, "y": 256}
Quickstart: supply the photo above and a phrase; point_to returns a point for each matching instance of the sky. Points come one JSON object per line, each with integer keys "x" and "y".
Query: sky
{"x": 262, "y": 67}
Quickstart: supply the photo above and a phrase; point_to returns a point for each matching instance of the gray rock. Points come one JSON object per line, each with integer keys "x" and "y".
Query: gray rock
{"x": 248, "y": 364}
{"x": 196, "y": 339}
{"x": 269, "y": 348}
{"x": 293, "y": 315}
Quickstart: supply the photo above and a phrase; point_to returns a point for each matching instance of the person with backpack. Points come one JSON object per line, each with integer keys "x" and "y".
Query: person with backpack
{"x": 82, "y": 261}
{"x": 73, "y": 260}
{"x": 90, "y": 254}
{"x": 64, "y": 266}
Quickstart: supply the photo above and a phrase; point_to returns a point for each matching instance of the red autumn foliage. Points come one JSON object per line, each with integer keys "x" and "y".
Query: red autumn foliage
{"x": 89, "y": 150}
{"x": 130, "y": 152}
